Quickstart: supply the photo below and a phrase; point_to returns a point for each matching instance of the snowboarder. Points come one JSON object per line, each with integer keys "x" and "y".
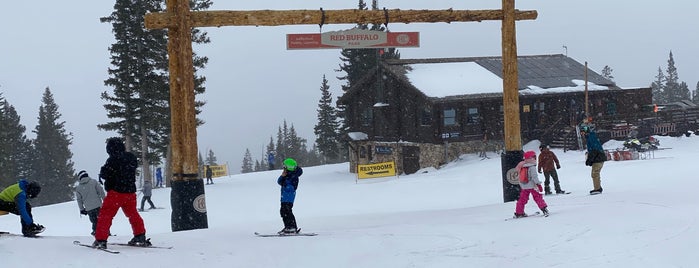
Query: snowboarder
{"x": 289, "y": 182}
{"x": 89, "y": 195}
{"x": 147, "y": 193}
{"x": 209, "y": 174}
{"x": 595, "y": 157}
{"x": 529, "y": 184}
{"x": 15, "y": 199}
{"x": 548, "y": 163}
{"x": 119, "y": 174}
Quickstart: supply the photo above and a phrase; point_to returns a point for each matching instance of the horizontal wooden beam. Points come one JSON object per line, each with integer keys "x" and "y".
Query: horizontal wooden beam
{"x": 163, "y": 20}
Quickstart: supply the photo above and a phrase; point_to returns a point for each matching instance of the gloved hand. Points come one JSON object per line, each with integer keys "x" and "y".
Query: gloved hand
{"x": 558, "y": 166}
{"x": 84, "y": 212}
{"x": 540, "y": 171}
{"x": 541, "y": 189}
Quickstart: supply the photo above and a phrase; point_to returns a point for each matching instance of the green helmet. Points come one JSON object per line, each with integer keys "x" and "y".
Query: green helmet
{"x": 290, "y": 164}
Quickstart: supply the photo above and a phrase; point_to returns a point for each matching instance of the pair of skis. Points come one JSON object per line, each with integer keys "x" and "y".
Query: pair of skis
{"x": 78, "y": 243}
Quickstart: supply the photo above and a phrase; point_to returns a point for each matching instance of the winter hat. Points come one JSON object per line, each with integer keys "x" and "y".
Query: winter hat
{"x": 529, "y": 154}
{"x": 33, "y": 189}
{"x": 82, "y": 174}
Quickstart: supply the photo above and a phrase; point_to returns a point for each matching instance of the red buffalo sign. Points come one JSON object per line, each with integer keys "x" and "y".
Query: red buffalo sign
{"x": 354, "y": 38}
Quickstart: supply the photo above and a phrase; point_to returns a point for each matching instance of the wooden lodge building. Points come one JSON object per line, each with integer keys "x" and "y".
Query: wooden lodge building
{"x": 426, "y": 112}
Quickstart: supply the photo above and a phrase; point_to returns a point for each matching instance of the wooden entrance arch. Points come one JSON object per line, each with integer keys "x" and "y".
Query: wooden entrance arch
{"x": 189, "y": 210}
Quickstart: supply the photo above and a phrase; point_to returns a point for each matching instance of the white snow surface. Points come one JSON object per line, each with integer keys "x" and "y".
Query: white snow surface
{"x": 453, "y": 79}
{"x": 448, "y": 217}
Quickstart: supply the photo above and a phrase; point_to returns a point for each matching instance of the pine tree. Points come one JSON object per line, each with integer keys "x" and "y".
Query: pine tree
{"x": 139, "y": 103}
{"x": 327, "y": 127}
{"x": 52, "y": 166}
{"x": 607, "y": 73}
{"x": 211, "y": 158}
{"x": 672, "y": 89}
{"x": 247, "y": 162}
{"x": 657, "y": 87}
{"x": 696, "y": 94}
{"x": 15, "y": 147}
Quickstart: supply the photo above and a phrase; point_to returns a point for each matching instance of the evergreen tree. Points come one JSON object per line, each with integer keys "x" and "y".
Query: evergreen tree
{"x": 607, "y": 73}
{"x": 672, "y": 89}
{"x": 52, "y": 165}
{"x": 696, "y": 94}
{"x": 282, "y": 133}
{"x": 258, "y": 166}
{"x": 327, "y": 127}
{"x": 211, "y": 158}
{"x": 15, "y": 147}
{"x": 657, "y": 87}
{"x": 139, "y": 103}
{"x": 247, "y": 162}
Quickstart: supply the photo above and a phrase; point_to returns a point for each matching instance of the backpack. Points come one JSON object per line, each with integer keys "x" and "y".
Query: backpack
{"x": 524, "y": 175}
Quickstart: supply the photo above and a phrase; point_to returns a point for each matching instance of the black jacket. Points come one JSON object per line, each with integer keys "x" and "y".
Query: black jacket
{"x": 595, "y": 156}
{"x": 119, "y": 172}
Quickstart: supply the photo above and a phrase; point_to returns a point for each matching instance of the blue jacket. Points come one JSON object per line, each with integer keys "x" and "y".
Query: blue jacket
{"x": 593, "y": 143}
{"x": 17, "y": 193}
{"x": 289, "y": 184}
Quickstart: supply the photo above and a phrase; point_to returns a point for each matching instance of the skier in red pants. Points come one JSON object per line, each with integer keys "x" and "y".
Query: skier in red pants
{"x": 119, "y": 173}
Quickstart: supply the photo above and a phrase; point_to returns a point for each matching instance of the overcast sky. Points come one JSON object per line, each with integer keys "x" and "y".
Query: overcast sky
{"x": 254, "y": 83}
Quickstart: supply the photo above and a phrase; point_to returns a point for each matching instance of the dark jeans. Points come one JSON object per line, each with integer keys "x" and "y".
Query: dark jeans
{"x": 209, "y": 180}
{"x": 92, "y": 214}
{"x": 143, "y": 202}
{"x": 288, "y": 215}
{"x": 551, "y": 174}
{"x": 11, "y": 207}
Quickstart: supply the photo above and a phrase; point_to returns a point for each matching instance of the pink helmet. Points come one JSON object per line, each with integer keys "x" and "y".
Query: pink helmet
{"x": 529, "y": 154}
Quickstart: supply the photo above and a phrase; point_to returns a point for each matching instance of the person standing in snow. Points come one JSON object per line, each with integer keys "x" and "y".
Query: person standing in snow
{"x": 147, "y": 193}
{"x": 119, "y": 174}
{"x": 595, "y": 157}
{"x": 209, "y": 174}
{"x": 15, "y": 199}
{"x": 529, "y": 184}
{"x": 89, "y": 195}
{"x": 289, "y": 182}
{"x": 548, "y": 163}
{"x": 158, "y": 178}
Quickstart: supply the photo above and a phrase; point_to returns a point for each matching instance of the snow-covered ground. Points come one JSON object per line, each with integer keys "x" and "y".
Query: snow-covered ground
{"x": 451, "y": 217}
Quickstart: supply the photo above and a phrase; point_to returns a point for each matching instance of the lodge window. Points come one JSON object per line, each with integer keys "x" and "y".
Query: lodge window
{"x": 426, "y": 117}
{"x": 539, "y": 106}
{"x": 449, "y": 117}
{"x": 367, "y": 117}
{"x": 473, "y": 116}
{"x": 611, "y": 108}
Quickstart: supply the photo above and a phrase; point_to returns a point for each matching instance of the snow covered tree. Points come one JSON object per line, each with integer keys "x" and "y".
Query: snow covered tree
{"x": 657, "y": 87}
{"x": 327, "y": 127}
{"x": 52, "y": 166}
{"x": 672, "y": 89}
{"x": 247, "y": 162}
{"x": 695, "y": 96}
{"x": 607, "y": 73}
{"x": 15, "y": 147}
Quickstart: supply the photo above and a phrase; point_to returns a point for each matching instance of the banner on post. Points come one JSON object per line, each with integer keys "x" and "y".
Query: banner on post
{"x": 353, "y": 38}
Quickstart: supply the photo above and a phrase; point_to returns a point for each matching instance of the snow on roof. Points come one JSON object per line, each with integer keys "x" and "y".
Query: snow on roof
{"x": 453, "y": 79}
{"x": 580, "y": 86}
{"x": 465, "y": 78}
{"x": 358, "y": 136}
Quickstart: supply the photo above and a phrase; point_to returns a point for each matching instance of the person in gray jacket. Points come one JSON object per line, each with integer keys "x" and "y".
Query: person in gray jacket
{"x": 147, "y": 193}
{"x": 89, "y": 195}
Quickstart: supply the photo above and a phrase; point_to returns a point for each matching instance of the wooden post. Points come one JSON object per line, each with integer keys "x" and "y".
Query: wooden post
{"x": 510, "y": 100}
{"x": 187, "y": 195}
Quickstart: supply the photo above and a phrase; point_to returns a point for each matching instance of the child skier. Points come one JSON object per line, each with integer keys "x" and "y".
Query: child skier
{"x": 289, "y": 182}
{"x": 530, "y": 184}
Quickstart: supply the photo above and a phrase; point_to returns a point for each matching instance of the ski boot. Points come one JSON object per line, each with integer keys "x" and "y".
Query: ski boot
{"x": 99, "y": 244}
{"x": 545, "y": 211}
{"x": 523, "y": 215}
{"x": 140, "y": 241}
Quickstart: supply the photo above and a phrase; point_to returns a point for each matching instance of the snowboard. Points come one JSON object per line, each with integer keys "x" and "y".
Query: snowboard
{"x": 127, "y": 245}
{"x": 554, "y": 194}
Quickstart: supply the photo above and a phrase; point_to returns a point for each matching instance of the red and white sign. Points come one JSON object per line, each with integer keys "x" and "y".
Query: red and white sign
{"x": 354, "y": 38}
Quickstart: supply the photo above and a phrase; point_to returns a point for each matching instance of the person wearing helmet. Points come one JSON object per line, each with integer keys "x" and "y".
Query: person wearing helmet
{"x": 595, "y": 157}
{"x": 15, "y": 199}
{"x": 529, "y": 184}
{"x": 89, "y": 195}
{"x": 289, "y": 182}
{"x": 119, "y": 174}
